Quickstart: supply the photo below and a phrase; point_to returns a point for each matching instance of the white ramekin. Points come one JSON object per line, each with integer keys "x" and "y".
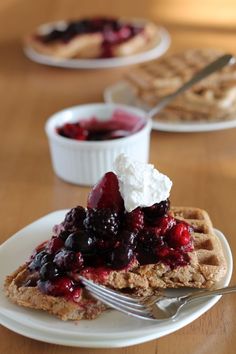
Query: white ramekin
{"x": 84, "y": 162}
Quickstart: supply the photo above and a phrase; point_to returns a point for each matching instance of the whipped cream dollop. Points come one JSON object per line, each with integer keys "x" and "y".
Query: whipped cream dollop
{"x": 141, "y": 185}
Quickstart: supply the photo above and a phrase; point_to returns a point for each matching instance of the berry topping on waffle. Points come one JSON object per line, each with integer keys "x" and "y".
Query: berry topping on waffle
{"x": 141, "y": 250}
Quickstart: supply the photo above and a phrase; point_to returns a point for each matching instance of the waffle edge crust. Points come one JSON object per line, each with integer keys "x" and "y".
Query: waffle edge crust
{"x": 207, "y": 266}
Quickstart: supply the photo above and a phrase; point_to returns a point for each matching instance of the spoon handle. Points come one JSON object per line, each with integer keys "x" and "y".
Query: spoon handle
{"x": 206, "y": 293}
{"x": 207, "y": 70}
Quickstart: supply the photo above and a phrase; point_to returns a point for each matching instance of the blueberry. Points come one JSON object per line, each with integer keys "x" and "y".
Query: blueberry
{"x": 46, "y": 258}
{"x": 49, "y": 271}
{"x": 121, "y": 256}
{"x": 64, "y": 234}
{"x": 79, "y": 241}
{"x": 65, "y": 259}
{"x": 36, "y": 262}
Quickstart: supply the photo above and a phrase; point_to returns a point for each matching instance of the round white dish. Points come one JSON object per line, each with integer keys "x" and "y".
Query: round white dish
{"x": 121, "y": 93}
{"x": 85, "y": 162}
{"x": 158, "y": 48}
{"x": 111, "y": 329}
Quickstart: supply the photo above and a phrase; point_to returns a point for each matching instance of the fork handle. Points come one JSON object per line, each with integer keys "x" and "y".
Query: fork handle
{"x": 207, "y": 293}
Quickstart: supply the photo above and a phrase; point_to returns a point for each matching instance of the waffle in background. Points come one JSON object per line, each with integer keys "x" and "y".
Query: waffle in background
{"x": 212, "y": 99}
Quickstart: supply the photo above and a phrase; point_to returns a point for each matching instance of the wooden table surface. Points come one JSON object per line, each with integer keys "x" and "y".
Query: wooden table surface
{"x": 201, "y": 165}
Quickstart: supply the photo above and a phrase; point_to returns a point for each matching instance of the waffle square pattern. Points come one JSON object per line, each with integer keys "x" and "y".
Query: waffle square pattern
{"x": 212, "y": 99}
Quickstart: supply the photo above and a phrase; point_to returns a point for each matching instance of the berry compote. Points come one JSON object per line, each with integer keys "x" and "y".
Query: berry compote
{"x": 104, "y": 237}
{"x": 120, "y": 125}
{"x": 112, "y": 31}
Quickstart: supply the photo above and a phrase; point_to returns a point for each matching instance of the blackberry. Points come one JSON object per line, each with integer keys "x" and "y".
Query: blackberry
{"x": 74, "y": 219}
{"x": 149, "y": 239}
{"x": 128, "y": 238}
{"x": 148, "y": 242}
{"x": 134, "y": 220}
{"x": 104, "y": 223}
{"x": 156, "y": 210}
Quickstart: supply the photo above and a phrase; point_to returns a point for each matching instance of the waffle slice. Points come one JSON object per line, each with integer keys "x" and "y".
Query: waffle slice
{"x": 206, "y": 267}
{"x": 30, "y": 296}
{"x": 90, "y": 45}
{"x": 213, "y": 98}
{"x": 84, "y": 46}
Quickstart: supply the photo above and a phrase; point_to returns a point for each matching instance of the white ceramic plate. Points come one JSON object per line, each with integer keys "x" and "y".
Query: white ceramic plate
{"x": 159, "y": 47}
{"x": 121, "y": 92}
{"x": 111, "y": 329}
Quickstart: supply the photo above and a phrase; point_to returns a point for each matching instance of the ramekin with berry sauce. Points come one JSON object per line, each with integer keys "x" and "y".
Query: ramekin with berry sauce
{"x": 84, "y": 140}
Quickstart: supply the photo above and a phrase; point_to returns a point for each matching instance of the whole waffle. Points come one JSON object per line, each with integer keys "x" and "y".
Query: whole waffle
{"x": 213, "y": 98}
{"x": 206, "y": 267}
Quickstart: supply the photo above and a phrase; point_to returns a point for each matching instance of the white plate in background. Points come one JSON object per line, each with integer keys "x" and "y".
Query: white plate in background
{"x": 158, "y": 48}
{"x": 111, "y": 329}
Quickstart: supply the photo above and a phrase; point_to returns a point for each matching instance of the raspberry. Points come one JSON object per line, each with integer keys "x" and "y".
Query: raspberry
{"x": 57, "y": 229}
{"x": 135, "y": 220}
{"x": 58, "y": 287}
{"x": 54, "y": 245}
{"x": 172, "y": 257}
{"x": 75, "y": 295}
{"x": 163, "y": 252}
{"x": 74, "y": 219}
{"x": 72, "y": 131}
{"x": 179, "y": 235}
{"x": 104, "y": 223}
{"x": 164, "y": 224}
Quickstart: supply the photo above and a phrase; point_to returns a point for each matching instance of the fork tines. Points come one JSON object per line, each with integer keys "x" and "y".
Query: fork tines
{"x": 117, "y": 300}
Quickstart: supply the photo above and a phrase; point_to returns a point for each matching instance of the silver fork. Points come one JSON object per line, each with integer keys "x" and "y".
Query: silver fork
{"x": 155, "y": 308}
